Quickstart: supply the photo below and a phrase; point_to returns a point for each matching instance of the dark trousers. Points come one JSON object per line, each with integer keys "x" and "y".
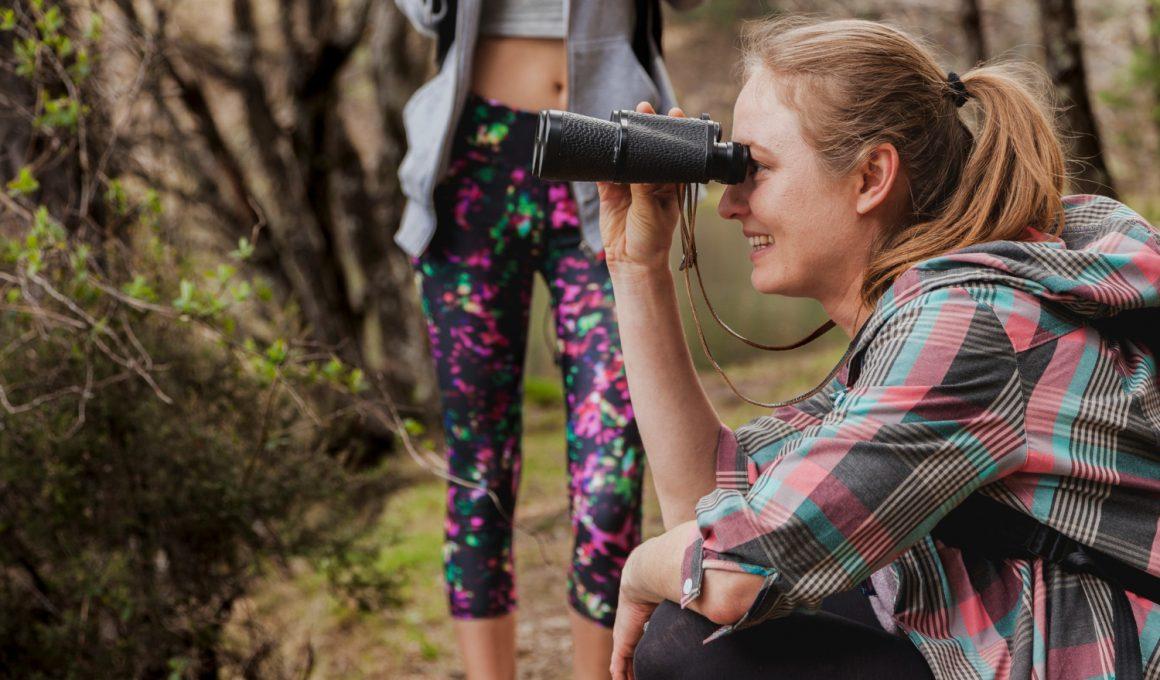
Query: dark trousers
{"x": 843, "y": 640}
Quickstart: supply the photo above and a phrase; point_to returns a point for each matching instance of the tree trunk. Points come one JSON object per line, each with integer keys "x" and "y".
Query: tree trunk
{"x": 402, "y": 63}
{"x": 971, "y": 17}
{"x": 1065, "y": 63}
{"x": 296, "y": 151}
{"x": 1152, "y": 11}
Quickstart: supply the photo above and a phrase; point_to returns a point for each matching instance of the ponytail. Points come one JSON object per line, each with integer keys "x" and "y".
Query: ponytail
{"x": 1013, "y": 178}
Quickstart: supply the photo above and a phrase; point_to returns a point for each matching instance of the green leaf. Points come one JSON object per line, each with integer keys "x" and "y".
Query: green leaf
{"x": 63, "y": 112}
{"x": 245, "y": 250}
{"x": 413, "y": 427}
{"x": 33, "y": 261}
{"x": 44, "y": 226}
{"x": 356, "y": 382}
{"x": 266, "y": 370}
{"x": 277, "y": 352}
{"x": 7, "y": 19}
{"x": 50, "y": 23}
{"x": 79, "y": 259}
{"x": 224, "y": 273}
{"x": 178, "y": 665}
{"x": 242, "y": 291}
{"x": 24, "y": 183}
{"x": 184, "y": 301}
{"x": 115, "y": 196}
{"x": 63, "y": 45}
{"x": 333, "y": 369}
{"x": 26, "y": 51}
{"x": 140, "y": 289}
{"x": 93, "y": 32}
{"x": 152, "y": 202}
{"x": 81, "y": 68}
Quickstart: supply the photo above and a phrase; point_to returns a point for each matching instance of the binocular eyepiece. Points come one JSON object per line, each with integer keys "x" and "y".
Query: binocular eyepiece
{"x": 634, "y": 147}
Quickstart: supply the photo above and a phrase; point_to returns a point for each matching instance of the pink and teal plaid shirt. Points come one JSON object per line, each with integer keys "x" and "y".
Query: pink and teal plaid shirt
{"x": 996, "y": 369}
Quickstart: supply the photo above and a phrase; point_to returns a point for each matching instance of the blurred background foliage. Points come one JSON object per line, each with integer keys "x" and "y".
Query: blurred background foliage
{"x": 210, "y": 348}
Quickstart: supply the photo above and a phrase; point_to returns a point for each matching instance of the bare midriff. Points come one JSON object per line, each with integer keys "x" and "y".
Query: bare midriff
{"x": 523, "y": 73}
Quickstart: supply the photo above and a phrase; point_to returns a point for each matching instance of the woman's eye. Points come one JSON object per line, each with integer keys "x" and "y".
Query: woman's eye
{"x": 755, "y": 167}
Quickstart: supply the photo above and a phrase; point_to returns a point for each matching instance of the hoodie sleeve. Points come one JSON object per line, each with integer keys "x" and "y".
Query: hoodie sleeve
{"x": 936, "y": 412}
{"x": 423, "y": 14}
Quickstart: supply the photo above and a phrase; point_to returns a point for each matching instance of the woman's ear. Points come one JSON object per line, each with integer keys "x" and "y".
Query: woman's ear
{"x": 876, "y": 177}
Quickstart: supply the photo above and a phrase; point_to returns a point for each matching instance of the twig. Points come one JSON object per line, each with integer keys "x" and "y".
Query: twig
{"x": 263, "y": 430}
{"x": 86, "y": 394}
{"x": 14, "y": 409}
{"x": 44, "y": 313}
{"x": 17, "y": 343}
{"x": 439, "y": 470}
{"x": 15, "y": 207}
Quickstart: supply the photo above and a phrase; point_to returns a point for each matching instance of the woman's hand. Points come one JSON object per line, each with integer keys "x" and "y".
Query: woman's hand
{"x": 626, "y": 633}
{"x": 632, "y": 612}
{"x": 637, "y": 220}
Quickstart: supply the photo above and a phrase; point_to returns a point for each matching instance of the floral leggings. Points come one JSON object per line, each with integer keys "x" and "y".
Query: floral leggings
{"x": 498, "y": 225}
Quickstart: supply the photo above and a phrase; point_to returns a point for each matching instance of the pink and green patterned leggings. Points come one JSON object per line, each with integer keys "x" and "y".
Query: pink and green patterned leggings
{"x": 498, "y": 225}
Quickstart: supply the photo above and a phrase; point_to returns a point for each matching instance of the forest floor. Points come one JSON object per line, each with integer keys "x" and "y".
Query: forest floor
{"x": 316, "y": 630}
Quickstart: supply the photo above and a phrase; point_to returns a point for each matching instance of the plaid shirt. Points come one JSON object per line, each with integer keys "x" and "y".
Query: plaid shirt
{"x": 991, "y": 368}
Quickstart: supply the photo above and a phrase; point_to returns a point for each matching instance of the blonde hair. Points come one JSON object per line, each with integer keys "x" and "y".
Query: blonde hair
{"x": 864, "y": 83}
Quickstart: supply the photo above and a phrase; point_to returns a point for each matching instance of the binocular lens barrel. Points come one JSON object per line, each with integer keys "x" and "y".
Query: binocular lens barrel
{"x": 635, "y": 147}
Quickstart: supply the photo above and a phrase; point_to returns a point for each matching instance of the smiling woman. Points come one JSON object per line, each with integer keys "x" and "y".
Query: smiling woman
{"x": 996, "y": 397}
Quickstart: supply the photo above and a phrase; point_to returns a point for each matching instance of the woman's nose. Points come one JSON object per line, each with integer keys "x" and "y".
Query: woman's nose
{"x": 732, "y": 205}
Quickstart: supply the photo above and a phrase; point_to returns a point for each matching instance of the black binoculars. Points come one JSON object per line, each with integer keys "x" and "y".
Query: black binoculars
{"x": 634, "y": 147}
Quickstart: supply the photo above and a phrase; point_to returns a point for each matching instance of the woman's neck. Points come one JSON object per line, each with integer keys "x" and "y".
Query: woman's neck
{"x": 847, "y": 309}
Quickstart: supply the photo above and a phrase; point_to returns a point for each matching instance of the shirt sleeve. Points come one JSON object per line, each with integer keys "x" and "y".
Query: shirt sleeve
{"x": 935, "y": 413}
{"x": 738, "y": 471}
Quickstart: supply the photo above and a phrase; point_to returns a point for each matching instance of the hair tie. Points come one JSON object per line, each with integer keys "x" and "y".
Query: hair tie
{"x": 958, "y": 89}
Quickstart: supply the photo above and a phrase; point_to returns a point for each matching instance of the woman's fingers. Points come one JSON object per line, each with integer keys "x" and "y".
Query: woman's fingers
{"x": 637, "y": 220}
{"x": 608, "y": 190}
{"x": 627, "y": 630}
{"x": 622, "y": 652}
{"x": 645, "y": 107}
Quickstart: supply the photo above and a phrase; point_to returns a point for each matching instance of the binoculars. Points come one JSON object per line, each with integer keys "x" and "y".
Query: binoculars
{"x": 634, "y": 147}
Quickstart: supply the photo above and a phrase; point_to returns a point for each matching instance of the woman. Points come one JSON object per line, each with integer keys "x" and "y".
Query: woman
{"x": 999, "y": 353}
{"x": 480, "y": 226}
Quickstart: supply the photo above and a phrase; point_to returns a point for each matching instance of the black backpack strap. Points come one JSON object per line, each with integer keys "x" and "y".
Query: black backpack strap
{"x": 445, "y": 32}
{"x": 984, "y": 525}
{"x": 647, "y": 29}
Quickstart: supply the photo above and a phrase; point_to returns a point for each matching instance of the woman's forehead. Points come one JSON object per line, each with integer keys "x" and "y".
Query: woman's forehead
{"x": 759, "y": 115}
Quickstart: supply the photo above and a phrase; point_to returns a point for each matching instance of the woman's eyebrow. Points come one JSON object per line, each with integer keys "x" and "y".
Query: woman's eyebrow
{"x": 763, "y": 150}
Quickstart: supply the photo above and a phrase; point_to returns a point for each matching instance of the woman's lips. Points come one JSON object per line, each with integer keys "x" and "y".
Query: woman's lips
{"x": 758, "y": 244}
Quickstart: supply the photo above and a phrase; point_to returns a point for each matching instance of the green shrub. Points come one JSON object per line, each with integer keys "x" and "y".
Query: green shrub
{"x": 167, "y": 434}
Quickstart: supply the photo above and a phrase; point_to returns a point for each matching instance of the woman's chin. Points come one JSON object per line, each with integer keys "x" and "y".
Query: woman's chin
{"x": 762, "y": 282}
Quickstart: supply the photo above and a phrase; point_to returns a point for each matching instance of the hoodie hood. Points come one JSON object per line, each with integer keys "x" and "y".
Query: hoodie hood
{"x": 1106, "y": 261}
